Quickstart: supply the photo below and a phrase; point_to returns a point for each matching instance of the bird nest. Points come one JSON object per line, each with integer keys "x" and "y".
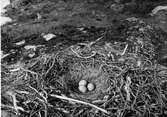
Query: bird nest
{"x": 115, "y": 68}
{"x": 91, "y": 74}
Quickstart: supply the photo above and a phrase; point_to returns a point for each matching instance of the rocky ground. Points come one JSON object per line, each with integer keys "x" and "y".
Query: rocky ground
{"x": 120, "y": 46}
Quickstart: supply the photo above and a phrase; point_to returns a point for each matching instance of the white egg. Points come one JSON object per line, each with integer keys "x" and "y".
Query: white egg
{"x": 90, "y": 86}
{"x": 82, "y": 83}
{"x": 82, "y": 89}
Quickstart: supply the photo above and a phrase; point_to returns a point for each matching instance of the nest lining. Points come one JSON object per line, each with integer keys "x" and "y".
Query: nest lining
{"x": 90, "y": 74}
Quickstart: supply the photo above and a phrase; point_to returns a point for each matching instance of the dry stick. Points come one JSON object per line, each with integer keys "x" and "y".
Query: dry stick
{"x": 15, "y": 102}
{"x": 158, "y": 8}
{"x": 91, "y": 43}
{"x": 43, "y": 102}
{"x": 81, "y": 56}
{"x": 124, "y": 50}
{"x": 78, "y": 101}
{"x": 50, "y": 67}
{"x": 88, "y": 45}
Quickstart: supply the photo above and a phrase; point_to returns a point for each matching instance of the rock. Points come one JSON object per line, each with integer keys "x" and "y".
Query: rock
{"x": 49, "y": 36}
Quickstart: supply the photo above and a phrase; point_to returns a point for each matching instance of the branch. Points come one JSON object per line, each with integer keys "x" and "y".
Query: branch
{"x": 158, "y": 8}
{"x": 78, "y": 101}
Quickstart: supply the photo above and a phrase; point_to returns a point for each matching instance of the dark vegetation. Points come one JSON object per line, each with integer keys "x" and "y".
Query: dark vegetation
{"x": 97, "y": 40}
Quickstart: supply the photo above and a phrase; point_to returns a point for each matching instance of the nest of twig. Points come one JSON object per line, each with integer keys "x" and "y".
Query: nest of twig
{"x": 120, "y": 70}
{"x": 90, "y": 74}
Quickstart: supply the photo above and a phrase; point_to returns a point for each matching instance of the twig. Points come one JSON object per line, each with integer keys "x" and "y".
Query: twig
{"x": 38, "y": 93}
{"x": 93, "y": 42}
{"x": 15, "y": 102}
{"x": 81, "y": 56}
{"x": 124, "y": 50}
{"x": 158, "y": 8}
{"x": 78, "y": 101}
{"x": 50, "y": 67}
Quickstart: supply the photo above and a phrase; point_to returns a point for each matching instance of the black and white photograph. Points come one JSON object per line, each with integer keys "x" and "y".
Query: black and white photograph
{"x": 83, "y": 58}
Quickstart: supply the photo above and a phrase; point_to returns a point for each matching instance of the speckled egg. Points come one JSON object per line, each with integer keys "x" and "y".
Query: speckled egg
{"x": 82, "y": 89}
{"x": 91, "y": 86}
{"x": 83, "y": 83}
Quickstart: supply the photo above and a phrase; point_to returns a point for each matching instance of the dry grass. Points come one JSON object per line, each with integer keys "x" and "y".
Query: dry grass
{"x": 48, "y": 84}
